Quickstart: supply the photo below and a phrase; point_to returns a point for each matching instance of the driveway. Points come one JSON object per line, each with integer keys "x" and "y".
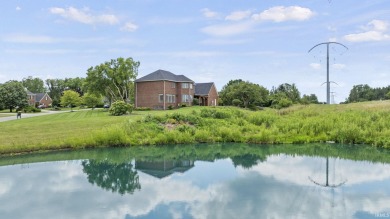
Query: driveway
{"x": 12, "y": 116}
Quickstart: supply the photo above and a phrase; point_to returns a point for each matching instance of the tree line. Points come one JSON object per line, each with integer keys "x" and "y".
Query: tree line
{"x": 109, "y": 81}
{"x": 250, "y": 95}
{"x": 114, "y": 81}
{"x": 363, "y": 92}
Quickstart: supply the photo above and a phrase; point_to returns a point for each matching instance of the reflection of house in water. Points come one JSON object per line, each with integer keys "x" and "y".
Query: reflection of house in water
{"x": 161, "y": 169}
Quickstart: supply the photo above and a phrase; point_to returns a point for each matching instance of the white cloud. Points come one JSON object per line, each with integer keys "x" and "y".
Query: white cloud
{"x": 339, "y": 66}
{"x": 18, "y": 8}
{"x": 315, "y": 65}
{"x": 129, "y": 27}
{"x": 209, "y": 13}
{"x": 227, "y": 29}
{"x": 84, "y": 16}
{"x": 238, "y": 15}
{"x": 378, "y": 25}
{"x": 374, "y": 31}
{"x": 367, "y": 36}
{"x": 281, "y": 13}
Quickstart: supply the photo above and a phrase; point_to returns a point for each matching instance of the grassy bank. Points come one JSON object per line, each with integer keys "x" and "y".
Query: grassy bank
{"x": 361, "y": 123}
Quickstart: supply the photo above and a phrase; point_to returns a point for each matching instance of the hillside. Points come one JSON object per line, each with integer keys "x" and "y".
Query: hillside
{"x": 358, "y": 123}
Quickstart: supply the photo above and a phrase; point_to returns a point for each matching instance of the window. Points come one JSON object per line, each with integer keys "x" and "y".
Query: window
{"x": 46, "y": 97}
{"x": 170, "y": 98}
{"x": 186, "y": 98}
{"x": 161, "y": 98}
{"x": 184, "y": 85}
{"x": 190, "y": 86}
{"x": 173, "y": 85}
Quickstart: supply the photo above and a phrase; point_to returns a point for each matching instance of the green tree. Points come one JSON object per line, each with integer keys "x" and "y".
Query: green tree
{"x": 75, "y": 84}
{"x": 70, "y": 98}
{"x": 113, "y": 79}
{"x": 121, "y": 178}
{"x": 35, "y": 85}
{"x": 12, "y": 95}
{"x": 280, "y": 100}
{"x": 243, "y": 93}
{"x": 91, "y": 100}
{"x": 55, "y": 88}
{"x": 308, "y": 99}
{"x": 290, "y": 90}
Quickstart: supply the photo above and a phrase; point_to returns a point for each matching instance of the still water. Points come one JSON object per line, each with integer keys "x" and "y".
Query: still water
{"x": 199, "y": 181}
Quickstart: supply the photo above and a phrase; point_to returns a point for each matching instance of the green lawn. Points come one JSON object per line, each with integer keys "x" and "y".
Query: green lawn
{"x": 54, "y": 131}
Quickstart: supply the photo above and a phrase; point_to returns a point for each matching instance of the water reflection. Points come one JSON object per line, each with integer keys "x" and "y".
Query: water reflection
{"x": 237, "y": 181}
{"x": 164, "y": 168}
{"x": 119, "y": 178}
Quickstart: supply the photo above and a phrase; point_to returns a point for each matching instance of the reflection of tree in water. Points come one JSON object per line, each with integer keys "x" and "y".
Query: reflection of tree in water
{"x": 113, "y": 177}
{"x": 247, "y": 160}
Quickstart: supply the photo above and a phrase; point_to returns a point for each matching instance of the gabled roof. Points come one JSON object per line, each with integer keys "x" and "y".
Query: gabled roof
{"x": 39, "y": 96}
{"x": 202, "y": 89}
{"x": 162, "y": 75}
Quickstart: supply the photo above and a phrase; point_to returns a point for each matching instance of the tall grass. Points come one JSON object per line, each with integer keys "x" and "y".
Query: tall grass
{"x": 362, "y": 123}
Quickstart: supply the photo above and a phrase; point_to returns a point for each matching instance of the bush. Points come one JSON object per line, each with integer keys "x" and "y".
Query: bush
{"x": 195, "y": 102}
{"x": 142, "y": 109}
{"x": 236, "y": 102}
{"x": 30, "y": 109}
{"x": 119, "y": 108}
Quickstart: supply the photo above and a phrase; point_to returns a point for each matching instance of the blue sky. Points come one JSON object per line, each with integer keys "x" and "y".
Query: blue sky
{"x": 265, "y": 42}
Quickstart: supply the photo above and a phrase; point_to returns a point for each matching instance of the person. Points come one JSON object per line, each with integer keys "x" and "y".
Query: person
{"x": 19, "y": 115}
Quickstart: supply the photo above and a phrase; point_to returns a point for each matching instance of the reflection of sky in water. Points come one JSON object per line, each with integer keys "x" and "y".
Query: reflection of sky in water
{"x": 276, "y": 188}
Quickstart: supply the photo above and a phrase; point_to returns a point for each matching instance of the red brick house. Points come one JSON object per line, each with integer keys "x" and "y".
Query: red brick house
{"x": 206, "y": 93}
{"x": 162, "y": 89}
{"x": 39, "y": 99}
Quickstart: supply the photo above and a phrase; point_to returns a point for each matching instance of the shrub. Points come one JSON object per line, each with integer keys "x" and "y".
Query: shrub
{"x": 142, "y": 109}
{"x": 120, "y": 108}
{"x": 170, "y": 107}
{"x": 30, "y": 109}
{"x": 195, "y": 102}
{"x": 236, "y": 102}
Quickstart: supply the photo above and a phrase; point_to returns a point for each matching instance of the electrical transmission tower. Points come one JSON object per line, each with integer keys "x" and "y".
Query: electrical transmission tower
{"x": 327, "y": 66}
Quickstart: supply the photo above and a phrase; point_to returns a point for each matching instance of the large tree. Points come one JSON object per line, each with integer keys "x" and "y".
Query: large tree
{"x": 12, "y": 95}
{"x": 290, "y": 90}
{"x": 70, "y": 98}
{"x": 114, "y": 177}
{"x": 113, "y": 79}
{"x": 243, "y": 93}
{"x": 307, "y": 99}
{"x": 91, "y": 100}
{"x": 55, "y": 88}
{"x": 360, "y": 93}
{"x": 75, "y": 84}
{"x": 35, "y": 85}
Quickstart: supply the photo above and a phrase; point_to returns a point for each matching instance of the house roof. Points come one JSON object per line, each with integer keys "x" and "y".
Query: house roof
{"x": 202, "y": 89}
{"x": 162, "y": 75}
{"x": 39, "y": 96}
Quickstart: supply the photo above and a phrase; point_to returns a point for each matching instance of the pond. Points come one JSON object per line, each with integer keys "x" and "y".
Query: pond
{"x": 199, "y": 181}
